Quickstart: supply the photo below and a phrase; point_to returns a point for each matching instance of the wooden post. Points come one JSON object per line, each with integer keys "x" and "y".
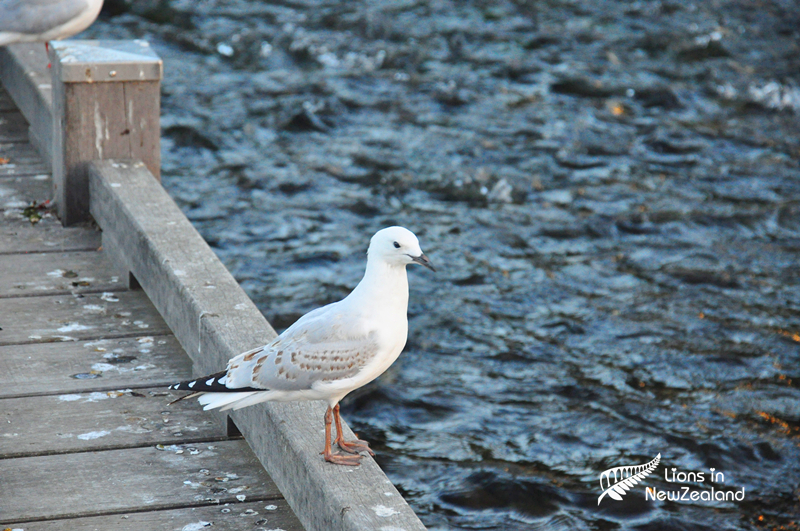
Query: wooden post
{"x": 106, "y": 104}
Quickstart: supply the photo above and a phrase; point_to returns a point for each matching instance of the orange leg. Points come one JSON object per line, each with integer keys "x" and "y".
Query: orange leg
{"x": 336, "y": 459}
{"x": 352, "y": 447}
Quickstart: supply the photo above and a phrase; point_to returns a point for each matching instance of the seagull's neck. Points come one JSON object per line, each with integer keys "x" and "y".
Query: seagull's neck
{"x": 384, "y": 287}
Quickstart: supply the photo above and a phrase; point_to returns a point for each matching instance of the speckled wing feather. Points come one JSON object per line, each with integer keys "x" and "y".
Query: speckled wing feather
{"x": 37, "y": 16}
{"x": 322, "y": 346}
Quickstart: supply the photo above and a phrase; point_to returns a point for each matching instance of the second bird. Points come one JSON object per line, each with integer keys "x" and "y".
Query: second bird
{"x": 45, "y": 20}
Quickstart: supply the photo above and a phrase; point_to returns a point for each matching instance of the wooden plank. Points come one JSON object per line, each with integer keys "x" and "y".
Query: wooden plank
{"x": 272, "y": 514}
{"x": 79, "y": 422}
{"x": 24, "y": 168}
{"x": 34, "y": 274}
{"x": 6, "y": 103}
{"x": 19, "y": 235}
{"x": 13, "y": 127}
{"x": 23, "y": 159}
{"x": 19, "y": 192}
{"x": 23, "y": 68}
{"x": 176, "y": 268}
{"x": 92, "y": 483}
{"x": 73, "y": 318}
{"x": 96, "y": 365}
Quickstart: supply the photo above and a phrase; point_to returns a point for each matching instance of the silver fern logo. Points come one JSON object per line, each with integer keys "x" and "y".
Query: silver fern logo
{"x": 625, "y": 477}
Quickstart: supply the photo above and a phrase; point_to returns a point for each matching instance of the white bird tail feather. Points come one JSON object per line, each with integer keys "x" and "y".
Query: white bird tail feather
{"x": 254, "y": 398}
{"x": 222, "y": 400}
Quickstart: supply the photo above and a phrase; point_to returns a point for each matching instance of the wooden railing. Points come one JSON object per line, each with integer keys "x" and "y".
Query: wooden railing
{"x": 23, "y": 69}
{"x": 97, "y": 103}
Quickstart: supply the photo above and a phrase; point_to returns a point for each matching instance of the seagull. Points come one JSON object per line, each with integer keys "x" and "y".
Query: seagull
{"x": 330, "y": 351}
{"x": 45, "y": 20}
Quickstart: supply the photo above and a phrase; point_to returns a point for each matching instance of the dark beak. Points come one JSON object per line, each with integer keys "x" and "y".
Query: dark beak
{"x": 424, "y": 260}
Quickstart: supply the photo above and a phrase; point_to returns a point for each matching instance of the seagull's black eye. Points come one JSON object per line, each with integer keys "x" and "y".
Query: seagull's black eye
{"x": 396, "y": 245}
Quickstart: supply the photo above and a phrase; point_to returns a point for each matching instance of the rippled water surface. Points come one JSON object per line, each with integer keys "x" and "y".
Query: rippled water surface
{"x": 609, "y": 190}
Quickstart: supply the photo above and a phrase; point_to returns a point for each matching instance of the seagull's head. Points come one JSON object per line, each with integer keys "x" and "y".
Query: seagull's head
{"x": 398, "y": 246}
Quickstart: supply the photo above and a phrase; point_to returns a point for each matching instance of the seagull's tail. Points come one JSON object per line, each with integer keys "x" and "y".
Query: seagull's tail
{"x": 213, "y": 391}
{"x": 224, "y": 401}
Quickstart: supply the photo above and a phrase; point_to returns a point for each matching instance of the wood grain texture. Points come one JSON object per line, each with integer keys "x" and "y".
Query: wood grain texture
{"x": 95, "y": 365}
{"x": 143, "y": 121}
{"x": 33, "y": 274}
{"x": 100, "y": 121}
{"x": 92, "y": 483}
{"x": 101, "y": 420}
{"x": 19, "y": 235}
{"x": 355, "y": 498}
{"x": 6, "y": 103}
{"x": 19, "y": 192}
{"x": 77, "y": 414}
{"x": 214, "y": 320}
{"x": 224, "y": 517}
{"x": 24, "y": 72}
{"x": 13, "y": 127}
{"x": 176, "y": 268}
{"x": 23, "y": 159}
{"x": 92, "y": 118}
{"x": 77, "y": 317}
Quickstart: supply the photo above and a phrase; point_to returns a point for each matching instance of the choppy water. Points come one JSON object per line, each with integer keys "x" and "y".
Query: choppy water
{"x": 609, "y": 190}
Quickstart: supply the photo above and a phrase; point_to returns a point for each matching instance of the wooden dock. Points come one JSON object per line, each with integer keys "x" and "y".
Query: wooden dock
{"x": 86, "y": 432}
{"x": 97, "y": 318}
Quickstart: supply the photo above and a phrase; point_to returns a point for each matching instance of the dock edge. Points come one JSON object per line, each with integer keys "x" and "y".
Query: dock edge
{"x": 147, "y": 235}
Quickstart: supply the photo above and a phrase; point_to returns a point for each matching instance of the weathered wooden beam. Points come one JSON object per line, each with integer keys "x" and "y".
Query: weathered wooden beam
{"x": 23, "y": 160}
{"x": 214, "y": 320}
{"x": 18, "y": 235}
{"x": 113, "y": 481}
{"x": 35, "y": 274}
{"x": 106, "y": 104}
{"x": 105, "y": 420}
{"x": 43, "y": 369}
{"x": 23, "y": 69}
{"x": 16, "y": 193}
{"x": 13, "y": 128}
{"x": 6, "y": 101}
{"x": 233, "y": 516}
{"x": 59, "y": 318}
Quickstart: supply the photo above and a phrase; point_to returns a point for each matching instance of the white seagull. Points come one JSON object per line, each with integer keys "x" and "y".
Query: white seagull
{"x": 329, "y": 351}
{"x": 45, "y": 20}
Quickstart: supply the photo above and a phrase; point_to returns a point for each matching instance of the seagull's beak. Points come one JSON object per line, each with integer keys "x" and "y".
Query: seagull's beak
{"x": 424, "y": 260}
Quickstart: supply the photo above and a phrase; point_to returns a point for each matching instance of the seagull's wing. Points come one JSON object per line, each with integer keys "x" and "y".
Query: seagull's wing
{"x": 322, "y": 346}
{"x": 37, "y": 16}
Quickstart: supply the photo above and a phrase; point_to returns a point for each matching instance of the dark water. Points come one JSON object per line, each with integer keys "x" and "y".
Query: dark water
{"x": 609, "y": 189}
